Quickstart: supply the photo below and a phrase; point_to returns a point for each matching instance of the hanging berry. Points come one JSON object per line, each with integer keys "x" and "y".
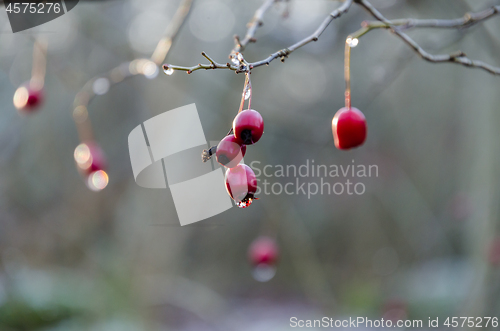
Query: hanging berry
{"x": 248, "y": 126}
{"x": 230, "y": 151}
{"x": 28, "y": 98}
{"x": 91, "y": 163}
{"x": 349, "y": 123}
{"x": 241, "y": 185}
{"x": 349, "y": 128}
{"x": 263, "y": 255}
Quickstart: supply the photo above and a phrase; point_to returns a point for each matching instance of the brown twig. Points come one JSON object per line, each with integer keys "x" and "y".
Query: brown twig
{"x": 165, "y": 43}
{"x": 468, "y": 20}
{"x": 253, "y": 25}
{"x": 395, "y": 26}
{"x": 126, "y": 70}
{"x": 282, "y": 54}
{"x": 457, "y": 57}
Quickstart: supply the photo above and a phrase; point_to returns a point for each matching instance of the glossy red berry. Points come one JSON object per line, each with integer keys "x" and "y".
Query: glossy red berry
{"x": 230, "y": 151}
{"x": 349, "y": 128}
{"x": 241, "y": 184}
{"x": 248, "y": 126}
{"x": 28, "y": 98}
{"x": 264, "y": 250}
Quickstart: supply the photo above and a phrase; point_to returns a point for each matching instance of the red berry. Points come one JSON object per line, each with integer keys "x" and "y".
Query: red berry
{"x": 89, "y": 158}
{"x": 241, "y": 184}
{"x": 264, "y": 250}
{"x": 248, "y": 126}
{"x": 230, "y": 151}
{"x": 91, "y": 163}
{"x": 349, "y": 128}
{"x": 28, "y": 98}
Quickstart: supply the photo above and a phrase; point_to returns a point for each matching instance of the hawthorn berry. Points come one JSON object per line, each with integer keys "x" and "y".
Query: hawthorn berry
{"x": 248, "y": 126}
{"x": 89, "y": 158}
{"x": 91, "y": 163}
{"x": 349, "y": 128}
{"x": 28, "y": 97}
{"x": 264, "y": 250}
{"x": 241, "y": 184}
{"x": 230, "y": 151}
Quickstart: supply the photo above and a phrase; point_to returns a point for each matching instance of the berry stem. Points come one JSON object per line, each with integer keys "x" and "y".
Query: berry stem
{"x": 347, "y": 74}
{"x": 249, "y": 87}
{"x": 245, "y": 86}
{"x": 39, "y": 63}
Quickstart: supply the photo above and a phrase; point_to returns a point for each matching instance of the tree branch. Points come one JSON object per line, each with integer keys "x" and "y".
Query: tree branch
{"x": 468, "y": 20}
{"x": 173, "y": 28}
{"x": 125, "y": 70}
{"x": 458, "y": 57}
{"x": 253, "y": 25}
{"x": 283, "y": 53}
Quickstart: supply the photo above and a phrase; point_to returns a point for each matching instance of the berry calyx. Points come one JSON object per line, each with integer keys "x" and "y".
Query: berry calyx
{"x": 241, "y": 185}
{"x": 248, "y": 126}
{"x": 264, "y": 250}
{"x": 230, "y": 151}
{"x": 28, "y": 97}
{"x": 349, "y": 128}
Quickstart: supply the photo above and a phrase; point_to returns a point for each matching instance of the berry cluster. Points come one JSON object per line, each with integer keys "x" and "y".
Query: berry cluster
{"x": 240, "y": 180}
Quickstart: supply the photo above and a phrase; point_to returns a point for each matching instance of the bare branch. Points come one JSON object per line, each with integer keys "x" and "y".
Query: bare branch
{"x": 253, "y": 25}
{"x": 314, "y": 37}
{"x": 165, "y": 43}
{"x": 125, "y": 70}
{"x": 458, "y": 57}
{"x": 468, "y": 20}
{"x": 212, "y": 65}
{"x": 283, "y": 53}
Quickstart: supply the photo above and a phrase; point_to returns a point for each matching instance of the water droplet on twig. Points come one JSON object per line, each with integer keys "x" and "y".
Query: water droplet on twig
{"x": 352, "y": 42}
{"x": 248, "y": 92}
{"x": 168, "y": 70}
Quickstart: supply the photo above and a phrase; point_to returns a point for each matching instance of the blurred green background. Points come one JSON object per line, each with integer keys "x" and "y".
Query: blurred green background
{"x": 421, "y": 242}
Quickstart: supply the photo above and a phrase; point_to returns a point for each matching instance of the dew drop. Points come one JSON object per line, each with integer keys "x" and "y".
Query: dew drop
{"x": 240, "y": 57}
{"x": 352, "y": 42}
{"x": 248, "y": 93}
{"x": 97, "y": 180}
{"x": 169, "y": 70}
{"x": 235, "y": 60}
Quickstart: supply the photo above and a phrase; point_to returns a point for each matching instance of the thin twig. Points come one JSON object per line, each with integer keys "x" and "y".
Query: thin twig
{"x": 283, "y": 53}
{"x": 165, "y": 43}
{"x": 314, "y": 37}
{"x": 253, "y": 25}
{"x": 458, "y": 57}
{"x": 468, "y": 20}
{"x": 126, "y": 70}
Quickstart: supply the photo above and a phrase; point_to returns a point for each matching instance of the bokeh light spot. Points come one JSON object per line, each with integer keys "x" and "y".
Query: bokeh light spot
{"x": 21, "y": 97}
{"x": 98, "y": 180}
{"x": 83, "y": 157}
